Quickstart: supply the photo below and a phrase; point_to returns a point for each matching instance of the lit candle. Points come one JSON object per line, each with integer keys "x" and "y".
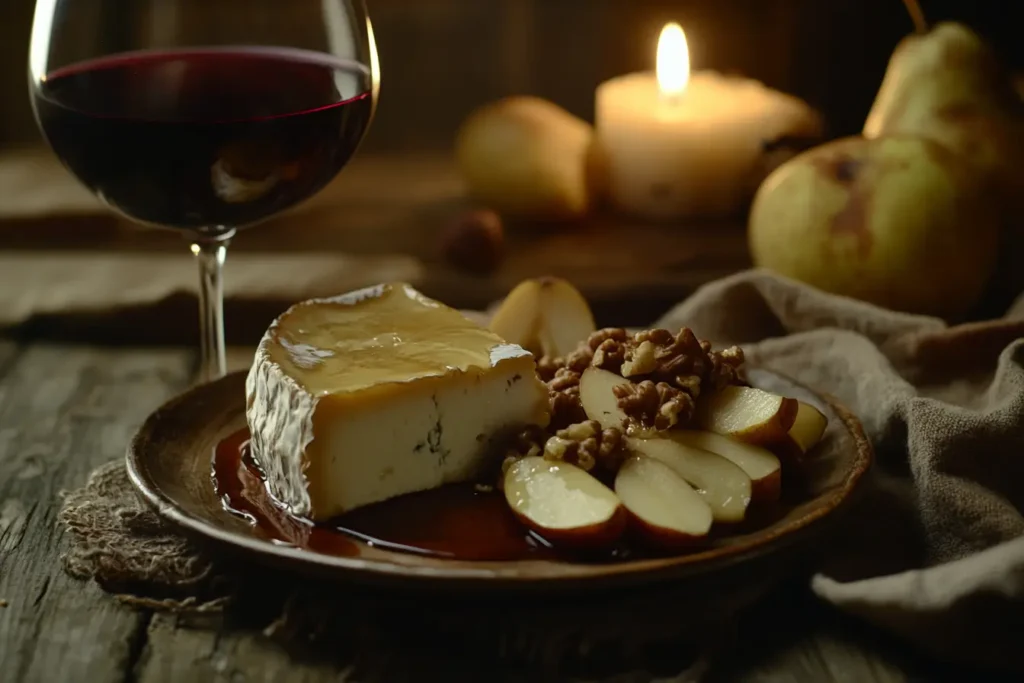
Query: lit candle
{"x": 676, "y": 144}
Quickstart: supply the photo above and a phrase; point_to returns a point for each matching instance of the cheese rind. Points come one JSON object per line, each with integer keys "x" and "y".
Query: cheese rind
{"x": 359, "y": 398}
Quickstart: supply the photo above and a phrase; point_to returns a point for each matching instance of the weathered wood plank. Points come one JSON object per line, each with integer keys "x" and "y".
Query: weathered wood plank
{"x": 790, "y": 638}
{"x": 812, "y": 645}
{"x": 64, "y": 410}
{"x": 173, "y": 654}
{"x": 819, "y": 657}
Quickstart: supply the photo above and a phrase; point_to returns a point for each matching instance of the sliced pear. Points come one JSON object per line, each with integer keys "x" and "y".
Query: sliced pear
{"x": 760, "y": 464}
{"x": 547, "y": 316}
{"x": 597, "y": 394}
{"x": 517, "y": 319}
{"x": 748, "y": 414}
{"x": 804, "y": 435}
{"x": 564, "y": 504}
{"x": 664, "y": 511}
{"x": 724, "y": 486}
{"x": 566, "y": 318}
{"x": 808, "y": 427}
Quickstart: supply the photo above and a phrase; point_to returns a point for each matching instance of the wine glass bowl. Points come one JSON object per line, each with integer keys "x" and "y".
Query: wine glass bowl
{"x": 180, "y": 114}
{"x": 200, "y": 139}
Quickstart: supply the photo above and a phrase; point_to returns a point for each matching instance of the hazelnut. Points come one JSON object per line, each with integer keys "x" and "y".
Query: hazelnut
{"x": 474, "y": 242}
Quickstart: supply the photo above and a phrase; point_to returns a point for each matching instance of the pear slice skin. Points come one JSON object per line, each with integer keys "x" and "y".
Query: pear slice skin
{"x": 760, "y": 464}
{"x": 664, "y": 511}
{"x": 724, "y": 486}
{"x": 803, "y": 436}
{"x": 748, "y": 414}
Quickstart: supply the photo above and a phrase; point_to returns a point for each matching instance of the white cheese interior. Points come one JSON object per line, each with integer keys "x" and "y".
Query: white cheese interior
{"x": 419, "y": 439}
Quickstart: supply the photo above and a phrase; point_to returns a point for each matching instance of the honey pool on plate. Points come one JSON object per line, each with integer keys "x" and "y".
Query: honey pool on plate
{"x": 455, "y": 521}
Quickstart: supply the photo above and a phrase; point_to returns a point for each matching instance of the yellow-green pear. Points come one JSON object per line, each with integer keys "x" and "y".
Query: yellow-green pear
{"x": 526, "y": 157}
{"x": 949, "y": 86}
{"x": 896, "y": 221}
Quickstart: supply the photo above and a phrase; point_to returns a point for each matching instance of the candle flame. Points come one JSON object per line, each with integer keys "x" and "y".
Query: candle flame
{"x": 673, "y": 60}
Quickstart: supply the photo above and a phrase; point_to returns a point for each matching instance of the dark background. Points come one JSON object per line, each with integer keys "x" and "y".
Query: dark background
{"x": 440, "y": 58}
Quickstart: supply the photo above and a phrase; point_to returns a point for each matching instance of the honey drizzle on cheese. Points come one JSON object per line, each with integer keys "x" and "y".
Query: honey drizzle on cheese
{"x": 383, "y": 335}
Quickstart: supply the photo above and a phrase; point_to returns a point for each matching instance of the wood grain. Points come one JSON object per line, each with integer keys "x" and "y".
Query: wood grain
{"x": 62, "y": 412}
{"x": 173, "y": 653}
{"x": 66, "y": 409}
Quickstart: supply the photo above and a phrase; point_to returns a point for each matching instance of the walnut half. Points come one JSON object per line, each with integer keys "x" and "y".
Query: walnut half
{"x": 586, "y": 445}
{"x": 683, "y": 361}
{"x": 654, "y": 406}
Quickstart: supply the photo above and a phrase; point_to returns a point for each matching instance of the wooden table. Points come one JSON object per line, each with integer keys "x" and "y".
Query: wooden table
{"x": 64, "y": 409}
{"x": 382, "y": 217}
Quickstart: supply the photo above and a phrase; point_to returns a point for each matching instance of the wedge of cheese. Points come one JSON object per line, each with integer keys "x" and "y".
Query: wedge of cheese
{"x": 376, "y": 393}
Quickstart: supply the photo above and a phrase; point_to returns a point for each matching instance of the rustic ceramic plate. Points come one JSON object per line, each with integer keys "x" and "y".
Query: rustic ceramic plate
{"x": 169, "y": 461}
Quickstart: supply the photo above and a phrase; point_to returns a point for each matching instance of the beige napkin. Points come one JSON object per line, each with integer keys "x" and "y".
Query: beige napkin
{"x": 936, "y": 554}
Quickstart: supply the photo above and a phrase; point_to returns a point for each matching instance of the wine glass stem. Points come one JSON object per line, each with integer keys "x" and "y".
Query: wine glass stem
{"x": 210, "y": 252}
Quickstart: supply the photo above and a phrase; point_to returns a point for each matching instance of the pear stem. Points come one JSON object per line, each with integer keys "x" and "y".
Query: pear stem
{"x": 917, "y": 15}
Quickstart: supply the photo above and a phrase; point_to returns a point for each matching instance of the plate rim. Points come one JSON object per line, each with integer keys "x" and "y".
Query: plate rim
{"x": 376, "y": 570}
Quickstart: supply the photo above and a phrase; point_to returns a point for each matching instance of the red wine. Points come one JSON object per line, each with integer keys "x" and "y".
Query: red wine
{"x": 201, "y": 138}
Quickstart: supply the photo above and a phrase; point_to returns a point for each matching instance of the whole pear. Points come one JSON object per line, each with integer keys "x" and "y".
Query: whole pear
{"x": 526, "y": 157}
{"x": 949, "y": 86}
{"x": 897, "y": 221}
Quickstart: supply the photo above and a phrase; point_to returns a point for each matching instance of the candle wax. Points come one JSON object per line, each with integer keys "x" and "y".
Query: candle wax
{"x": 696, "y": 153}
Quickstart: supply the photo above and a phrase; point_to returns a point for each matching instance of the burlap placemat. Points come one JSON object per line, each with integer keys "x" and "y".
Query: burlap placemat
{"x": 937, "y": 550}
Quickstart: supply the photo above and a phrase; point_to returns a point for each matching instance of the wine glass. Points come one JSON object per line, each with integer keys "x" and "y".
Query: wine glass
{"x": 203, "y": 117}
